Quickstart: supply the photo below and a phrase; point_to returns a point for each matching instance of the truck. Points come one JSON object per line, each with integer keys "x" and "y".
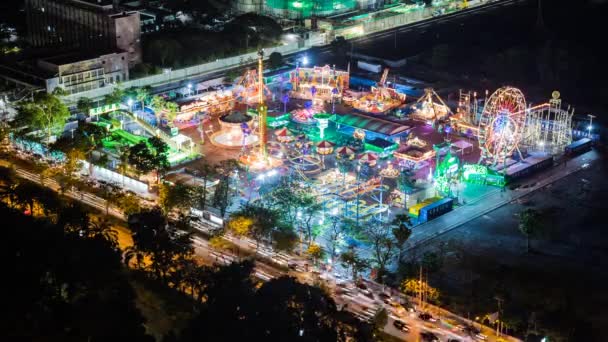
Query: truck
{"x": 375, "y": 68}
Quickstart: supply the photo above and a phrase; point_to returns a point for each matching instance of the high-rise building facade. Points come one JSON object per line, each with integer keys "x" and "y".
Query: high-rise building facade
{"x": 83, "y": 25}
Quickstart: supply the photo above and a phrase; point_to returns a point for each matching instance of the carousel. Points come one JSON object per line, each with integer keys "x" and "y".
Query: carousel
{"x": 235, "y": 131}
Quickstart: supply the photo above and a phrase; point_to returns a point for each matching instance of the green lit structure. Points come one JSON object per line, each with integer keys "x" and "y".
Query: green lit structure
{"x": 481, "y": 174}
{"x": 300, "y": 9}
{"x": 446, "y": 173}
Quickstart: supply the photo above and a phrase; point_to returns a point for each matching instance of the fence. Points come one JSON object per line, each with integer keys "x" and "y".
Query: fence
{"x": 189, "y": 72}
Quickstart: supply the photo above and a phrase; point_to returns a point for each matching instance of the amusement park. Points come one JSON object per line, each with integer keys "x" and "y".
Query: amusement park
{"x": 365, "y": 153}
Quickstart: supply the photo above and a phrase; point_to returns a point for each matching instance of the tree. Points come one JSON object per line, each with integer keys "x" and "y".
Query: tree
{"x": 221, "y": 195}
{"x": 158, "y": 104}
{"x": 240, "y": 225}
{"x": 155, "y": 237}
{"x": 84, "y": 105}
{"x": 287, "y": 310}
{"x": 284, "y": 239}
{"x": 380, "y": 320}
{"x": 265, "y": 220}
{"x": 383, "y": 247}
{"x": 115, "y": 96}
{"x": 315, "y": 252}
{"x": 401, "y": 232}
{"x": 65, "y": 283}
{"x": 352, "y": 260}
{"x": 141, "y": 95}
{"x": 73, "y": 162}
{"x": 529, "y": 221}
{"x": 46, "y": 112}
{"x": 171, "y": 110}
{"x": 414, "y": 287}
{"x": 166, "y": 51}
{"x": 333, "y": 235}
{"x": 123, "y": 162}
{"x": 275, "y": 59}
{"x": 178, "y": 195}
{"x": 149, "y": 156}
{"x": 204, "y": 171}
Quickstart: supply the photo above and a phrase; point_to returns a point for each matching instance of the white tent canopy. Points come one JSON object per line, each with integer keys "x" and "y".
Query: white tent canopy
{"x": 462, "y": 147}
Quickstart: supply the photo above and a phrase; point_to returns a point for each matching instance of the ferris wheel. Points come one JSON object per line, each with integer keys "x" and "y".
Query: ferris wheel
{"x": 501, "y": 125}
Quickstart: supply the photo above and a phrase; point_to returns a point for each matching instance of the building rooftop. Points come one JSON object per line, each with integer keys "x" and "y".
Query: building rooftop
{"x": 77, "y": 57}
{"x": 100, "y": 5}
{"x": 371, "y": 124}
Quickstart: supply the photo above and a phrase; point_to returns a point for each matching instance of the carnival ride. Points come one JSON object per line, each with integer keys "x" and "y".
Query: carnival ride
{"x": 260, "y": 160}
{"x": 322, "y": 83}
{"x": 247, "y": 87}
{"x": 414, "y": 153}
{"x": 548, "y": 127}
{"x": 381, "y": 98}
{"x": 430, "y": 107}
{"x": 501, "y": 125}
{"x": 211, "y": 103}
{"x": 235, "y": 131}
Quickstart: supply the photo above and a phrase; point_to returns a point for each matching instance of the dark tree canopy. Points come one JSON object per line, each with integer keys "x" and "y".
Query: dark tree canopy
{"x": 65, "y": 285}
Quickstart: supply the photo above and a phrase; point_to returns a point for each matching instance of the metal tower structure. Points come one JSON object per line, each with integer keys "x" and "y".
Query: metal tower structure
{"x": 548, "y": 126}
{"x": 262, "y": 108}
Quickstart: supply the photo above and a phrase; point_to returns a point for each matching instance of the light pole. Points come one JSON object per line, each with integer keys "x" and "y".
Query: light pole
{"x": 130, "y": 104}
{"x": 358, "y": 190}
{"x": 590, "y": 124}
{"x": 189, "y": 89}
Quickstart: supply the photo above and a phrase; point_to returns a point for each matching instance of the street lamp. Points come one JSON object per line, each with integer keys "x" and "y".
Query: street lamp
{"x": 590, "y": 123}
{"x": 189, "y": 89}
{"x": 305, "y": 60}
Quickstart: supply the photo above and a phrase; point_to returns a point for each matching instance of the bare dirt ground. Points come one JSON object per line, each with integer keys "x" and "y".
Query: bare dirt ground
{"x": 562, "y": 279}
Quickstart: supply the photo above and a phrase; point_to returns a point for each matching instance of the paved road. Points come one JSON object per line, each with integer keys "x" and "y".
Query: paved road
{"x": 362, "y": 305}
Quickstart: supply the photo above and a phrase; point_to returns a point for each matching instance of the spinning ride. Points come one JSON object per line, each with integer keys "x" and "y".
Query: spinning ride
{"x": 501, "y": 125}
{"x": 381, "y": 98}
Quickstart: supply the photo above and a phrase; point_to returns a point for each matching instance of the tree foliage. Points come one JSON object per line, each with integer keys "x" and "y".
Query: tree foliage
{"x": 156, "y": 238}
{"x": 45, "y": 112}
{"x": 67, "y": 281}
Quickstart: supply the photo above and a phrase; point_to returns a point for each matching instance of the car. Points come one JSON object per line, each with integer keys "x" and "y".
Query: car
{"x": 471, "y": 330}
{"x": 401, "y": 326}
{"x": 427, "y": 317}
{"x": 481, "y": 337}
{"x": 429, "y": 336}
